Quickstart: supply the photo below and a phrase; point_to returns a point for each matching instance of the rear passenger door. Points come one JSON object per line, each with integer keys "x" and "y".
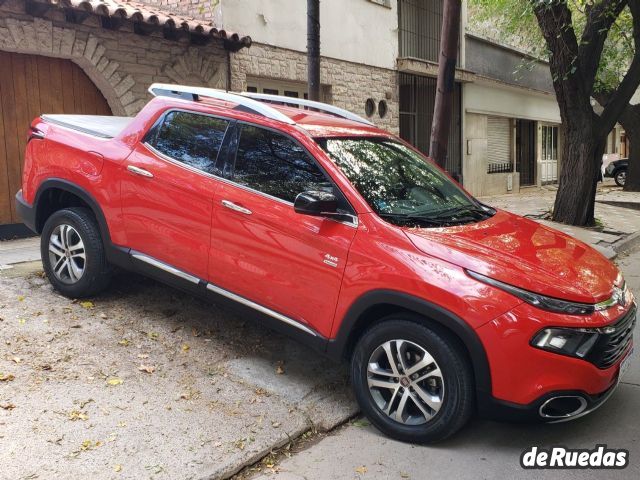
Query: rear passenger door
{"x": 261, "y": 249}
{"x": 167, "y": 192}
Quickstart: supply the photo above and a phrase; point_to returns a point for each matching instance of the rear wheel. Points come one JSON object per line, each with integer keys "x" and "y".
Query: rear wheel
{"x": 620, "y": 178}
{"x": 413, "y": 382}
{"x": 73, "y": 254}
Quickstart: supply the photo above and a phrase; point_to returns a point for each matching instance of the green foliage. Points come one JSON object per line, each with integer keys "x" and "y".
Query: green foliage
{"x": 513, "y": 22}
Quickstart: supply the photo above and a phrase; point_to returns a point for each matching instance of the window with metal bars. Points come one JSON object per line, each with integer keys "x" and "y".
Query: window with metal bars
{"x": 419, "y": 26}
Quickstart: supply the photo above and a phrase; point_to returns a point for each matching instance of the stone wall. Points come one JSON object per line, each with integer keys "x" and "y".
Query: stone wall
{"x": 347, "y": 84}
{"x": 122, "y": 64}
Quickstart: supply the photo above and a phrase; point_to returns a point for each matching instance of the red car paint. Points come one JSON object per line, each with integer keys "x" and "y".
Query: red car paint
{"x": 276, "y": 257}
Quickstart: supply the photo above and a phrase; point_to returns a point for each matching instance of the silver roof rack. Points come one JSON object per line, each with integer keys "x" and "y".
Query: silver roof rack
{"x": 253, "y": 101}
{"x": 321, "y": 107}
{"x": 192, "y": 93}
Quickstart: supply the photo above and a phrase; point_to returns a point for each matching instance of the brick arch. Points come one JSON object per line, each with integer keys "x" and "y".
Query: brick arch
{"x": 193, "y": 68}
{"x": 41, "y": 37}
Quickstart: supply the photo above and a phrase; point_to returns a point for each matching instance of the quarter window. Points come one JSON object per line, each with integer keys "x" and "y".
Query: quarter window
{"x": 192, "y": 139}
{"x": 276, "y": 165}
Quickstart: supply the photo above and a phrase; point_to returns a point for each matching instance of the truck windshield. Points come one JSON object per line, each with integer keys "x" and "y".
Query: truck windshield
{"x": 400, "y": 185}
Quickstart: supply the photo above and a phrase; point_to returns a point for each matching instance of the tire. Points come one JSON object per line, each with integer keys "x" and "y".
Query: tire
{"x": 455, "y": 386}
{"x": 620, "y": 177}
{"x": 73, "y": 235}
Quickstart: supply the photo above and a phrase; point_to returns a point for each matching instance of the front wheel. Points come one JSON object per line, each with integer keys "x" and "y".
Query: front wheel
{"x": 73, "y": 255}
{"x": 620, "y": 178}
{"x": 413, "y": 382}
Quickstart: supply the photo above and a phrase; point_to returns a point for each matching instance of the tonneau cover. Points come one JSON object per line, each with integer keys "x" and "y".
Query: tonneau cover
{"x": 98, "y": 125}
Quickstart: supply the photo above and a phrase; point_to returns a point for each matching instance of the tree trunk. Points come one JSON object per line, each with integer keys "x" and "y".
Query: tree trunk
{"x": 581, "y": 160}
{"x": 313, "y": 49}
{"x": 630, "y": 121}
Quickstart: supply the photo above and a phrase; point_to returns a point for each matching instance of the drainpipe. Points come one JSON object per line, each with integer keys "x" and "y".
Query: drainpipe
{"x": 442, "y": 111}
{"x": 313, "y": 49}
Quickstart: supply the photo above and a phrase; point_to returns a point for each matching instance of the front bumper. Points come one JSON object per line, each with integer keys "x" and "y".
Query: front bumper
{"x": 496, "y": 409}
{"x": 524, "y": 378}
{"x": 26, "y": 212}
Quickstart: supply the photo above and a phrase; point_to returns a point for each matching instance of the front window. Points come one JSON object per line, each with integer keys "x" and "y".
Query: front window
{"x": 400, "y": 185}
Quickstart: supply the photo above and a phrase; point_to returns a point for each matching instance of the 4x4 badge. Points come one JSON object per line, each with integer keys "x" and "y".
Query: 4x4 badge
{"x": 331, "y": 260}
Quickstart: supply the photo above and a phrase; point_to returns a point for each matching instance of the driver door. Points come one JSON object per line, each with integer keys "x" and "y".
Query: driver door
{"x": 264, "y": 251}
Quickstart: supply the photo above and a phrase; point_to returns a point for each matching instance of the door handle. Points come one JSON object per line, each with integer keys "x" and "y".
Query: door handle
{"x": 236, "y": 208}
{"x": 140, "y": 171}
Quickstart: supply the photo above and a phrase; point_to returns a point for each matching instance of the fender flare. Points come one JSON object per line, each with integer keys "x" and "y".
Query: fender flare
{"x": 67, "y": 186}
{"x": 339, "y": 346}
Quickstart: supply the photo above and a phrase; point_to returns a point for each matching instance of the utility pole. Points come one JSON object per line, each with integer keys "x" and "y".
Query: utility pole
{"x": 442, "y": 110}
{"x": 313, "y": 48}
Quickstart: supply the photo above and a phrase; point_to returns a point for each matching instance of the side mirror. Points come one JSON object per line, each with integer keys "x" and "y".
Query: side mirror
{"x": 316, "y": 203}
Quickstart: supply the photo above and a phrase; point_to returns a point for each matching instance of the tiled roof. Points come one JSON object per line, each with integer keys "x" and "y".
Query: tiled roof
{"x": 140, "y": 13}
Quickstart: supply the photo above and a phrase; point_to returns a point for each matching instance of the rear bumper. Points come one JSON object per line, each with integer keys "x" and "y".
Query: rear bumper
{"x": 26, "y": 212}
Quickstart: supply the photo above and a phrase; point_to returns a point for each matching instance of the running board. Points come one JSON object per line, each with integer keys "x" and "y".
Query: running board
{"x": 221, "y": 291}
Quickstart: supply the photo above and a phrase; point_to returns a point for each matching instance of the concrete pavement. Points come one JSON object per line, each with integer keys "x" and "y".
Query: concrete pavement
{"x": 484, "y": 449}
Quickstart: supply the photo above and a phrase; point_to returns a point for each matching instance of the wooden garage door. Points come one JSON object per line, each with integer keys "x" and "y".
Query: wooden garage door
{"x": 31, "y": 85}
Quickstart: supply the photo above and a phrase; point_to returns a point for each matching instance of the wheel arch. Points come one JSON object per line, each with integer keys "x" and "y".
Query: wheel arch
{"x": 44, "y": 210}
{"x": 373, "y": 306}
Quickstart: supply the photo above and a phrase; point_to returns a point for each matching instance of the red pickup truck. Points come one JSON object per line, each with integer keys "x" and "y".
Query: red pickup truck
{"x": 343, "y": 236}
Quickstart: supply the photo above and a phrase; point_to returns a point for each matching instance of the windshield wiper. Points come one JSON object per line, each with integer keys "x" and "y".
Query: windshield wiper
{"x": 451, "y": 212}
{"x": 412, "y": 217}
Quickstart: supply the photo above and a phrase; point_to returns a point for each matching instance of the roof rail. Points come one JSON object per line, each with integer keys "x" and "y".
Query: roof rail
{"x": 321, "y": 107}
{"x": 193, "y": 93}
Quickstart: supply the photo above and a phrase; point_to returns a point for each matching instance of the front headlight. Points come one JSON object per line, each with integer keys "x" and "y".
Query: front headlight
{"x": 545, "y": 303}
{"x": 575, "y": 342}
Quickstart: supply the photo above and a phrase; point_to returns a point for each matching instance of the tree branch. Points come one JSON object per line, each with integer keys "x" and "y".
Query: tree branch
{"x": 619, "y": 100}
{"x": 600, "y": 18}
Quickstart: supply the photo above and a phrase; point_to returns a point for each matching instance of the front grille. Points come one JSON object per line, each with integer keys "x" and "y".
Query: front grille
{"x": 610, "y": 347}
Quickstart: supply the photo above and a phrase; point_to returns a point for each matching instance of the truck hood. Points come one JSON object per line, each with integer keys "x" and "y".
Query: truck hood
{"x": 523, "y": 253}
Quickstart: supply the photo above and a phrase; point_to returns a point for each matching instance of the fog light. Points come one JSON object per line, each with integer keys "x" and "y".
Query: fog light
{"x": 566, "y": 341}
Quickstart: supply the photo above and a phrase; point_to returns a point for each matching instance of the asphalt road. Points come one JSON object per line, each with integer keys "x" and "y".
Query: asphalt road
{"x": 483, "y": 449}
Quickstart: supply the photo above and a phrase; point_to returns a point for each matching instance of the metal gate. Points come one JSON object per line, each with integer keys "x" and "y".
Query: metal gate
{"x": 417, "y": 99}
{"x": 526, "y": 151}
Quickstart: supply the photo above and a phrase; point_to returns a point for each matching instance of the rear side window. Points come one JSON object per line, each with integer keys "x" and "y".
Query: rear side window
{"x": 276, "y": 165}
{"x": 192, "y": 139}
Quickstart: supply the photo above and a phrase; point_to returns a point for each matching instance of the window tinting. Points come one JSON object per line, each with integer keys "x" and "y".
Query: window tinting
{"x": 192, "y": 139}
{"x": 276, "y": 165}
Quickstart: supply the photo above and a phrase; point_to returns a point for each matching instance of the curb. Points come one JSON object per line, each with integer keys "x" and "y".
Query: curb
{"x": 627, "y": 243}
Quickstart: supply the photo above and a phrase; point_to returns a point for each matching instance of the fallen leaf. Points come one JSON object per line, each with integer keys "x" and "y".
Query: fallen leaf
{"x": 6, "y": 378}
{"x": 77, "y": 415}
{"x": 117, "y": 468}
{"x": 362, "y": 470}
{"x": 185, "y": 347}
{"x": 147, "y": 368}
{"x": 142, "y": 355}
{"x": 404, "y": 475}
{"x": 114, "y": 381}
{"x": 152, "y": 335}
{"x": 21, "y": 298}
{"x": 21, "y": 321}
{"x": 103, "y": 316}
{"x": 124, "y": 342}
{"x": 16, "y": 359}
{"x": 275, "y": 424}
{"x": 122, "y": 424}
{"x": 360, "y": 423}
{"x": 279, "y": 370}
{"x": 7, "y": 406}
{"x": 87, "y": 304}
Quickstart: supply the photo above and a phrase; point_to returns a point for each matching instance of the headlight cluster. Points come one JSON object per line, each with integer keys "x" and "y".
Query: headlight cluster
{"x": 545, "y": 303}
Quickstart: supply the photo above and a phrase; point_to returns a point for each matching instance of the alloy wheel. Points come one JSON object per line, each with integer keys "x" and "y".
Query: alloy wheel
{"x": 622, "y": 178}
{"x": 405, "y": 382}
{"x": 67, "y": 254}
